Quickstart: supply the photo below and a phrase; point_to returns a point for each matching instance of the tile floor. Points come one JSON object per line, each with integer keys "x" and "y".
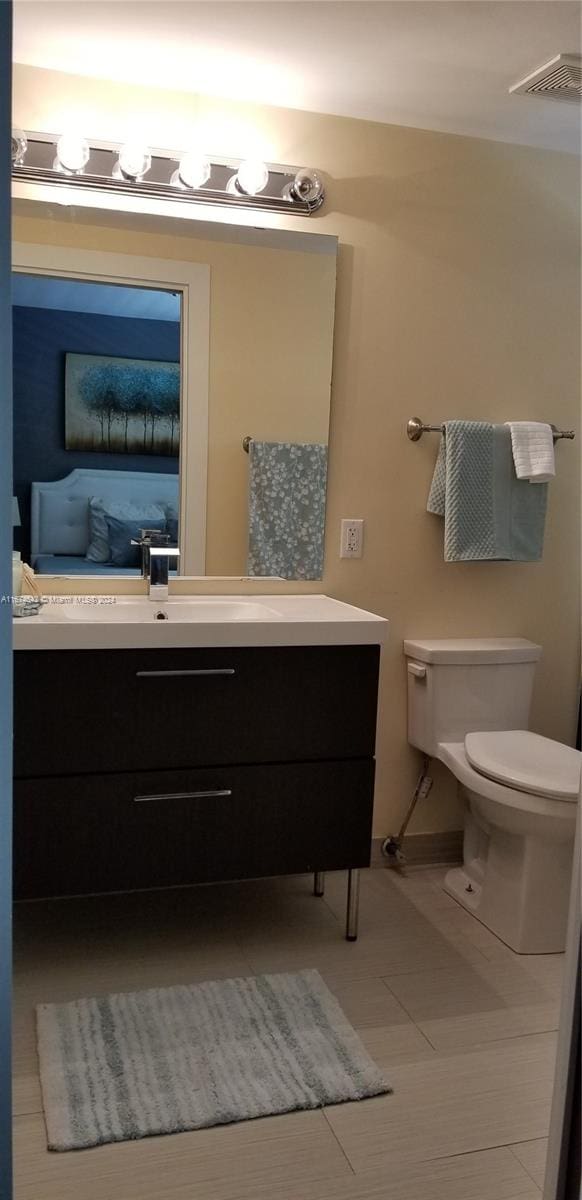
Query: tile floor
{"x": 464, "y": 1028}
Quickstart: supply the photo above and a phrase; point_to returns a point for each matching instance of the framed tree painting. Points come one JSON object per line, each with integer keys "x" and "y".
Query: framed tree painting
{"x": 121, "y": 405}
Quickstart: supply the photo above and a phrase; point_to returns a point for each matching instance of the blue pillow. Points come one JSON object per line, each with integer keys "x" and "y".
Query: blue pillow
{"x": 99, "y": 509}
{"x": 120, "y": 532}
{"x": 98, "y": 548}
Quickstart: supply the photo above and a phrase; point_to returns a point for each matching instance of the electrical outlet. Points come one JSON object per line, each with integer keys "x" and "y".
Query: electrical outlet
{"x": 352, "y": 538}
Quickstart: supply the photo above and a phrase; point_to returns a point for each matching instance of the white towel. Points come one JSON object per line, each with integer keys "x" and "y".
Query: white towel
{"x": 532, "y": 444}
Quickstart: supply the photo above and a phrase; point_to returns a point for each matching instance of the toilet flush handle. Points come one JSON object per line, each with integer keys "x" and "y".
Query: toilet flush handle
{"x": 417, "y": 670}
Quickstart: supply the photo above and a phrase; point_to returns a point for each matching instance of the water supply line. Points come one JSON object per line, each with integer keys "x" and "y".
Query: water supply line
{"x": 392, "y": 845}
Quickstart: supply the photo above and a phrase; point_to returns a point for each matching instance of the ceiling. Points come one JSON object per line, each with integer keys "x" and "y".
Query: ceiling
{"x": 111, "y": 300}
{"x": 433, "y": 64}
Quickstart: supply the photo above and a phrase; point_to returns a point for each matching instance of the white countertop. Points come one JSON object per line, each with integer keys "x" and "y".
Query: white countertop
{"x": 124, "y": 622}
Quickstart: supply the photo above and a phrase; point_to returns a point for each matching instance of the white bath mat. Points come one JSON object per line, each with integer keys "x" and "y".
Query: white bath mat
{"x": 165, "y": 1060}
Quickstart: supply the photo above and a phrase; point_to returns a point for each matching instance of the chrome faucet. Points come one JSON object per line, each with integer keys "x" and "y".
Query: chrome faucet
{"x": 156, "y": 556}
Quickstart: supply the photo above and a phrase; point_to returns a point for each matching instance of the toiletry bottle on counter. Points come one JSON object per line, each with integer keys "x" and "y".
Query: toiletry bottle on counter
{"x": 16, "y": 573}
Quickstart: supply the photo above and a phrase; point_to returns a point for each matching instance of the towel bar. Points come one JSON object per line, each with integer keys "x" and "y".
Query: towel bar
{"x": 415, "y": 429}
{"x": 248, "y": 439}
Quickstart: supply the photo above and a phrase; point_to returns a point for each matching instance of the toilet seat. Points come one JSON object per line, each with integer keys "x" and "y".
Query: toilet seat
{"x": 526, "y": 762}
{"x": 454, "y": 756}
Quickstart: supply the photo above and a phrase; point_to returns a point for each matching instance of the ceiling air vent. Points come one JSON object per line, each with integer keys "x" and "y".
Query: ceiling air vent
{"x": 558, "y": 79}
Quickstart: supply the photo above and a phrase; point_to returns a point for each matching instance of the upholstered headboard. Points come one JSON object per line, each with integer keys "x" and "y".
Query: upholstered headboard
{"x": 59, "y": 522}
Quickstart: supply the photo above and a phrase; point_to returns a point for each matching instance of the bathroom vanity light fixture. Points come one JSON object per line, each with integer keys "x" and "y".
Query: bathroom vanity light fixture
{"x": 251, "y": 178}
{"x": 307, "y": 185}
{"x": 72, "y": 154}
{"x": 133, "y": 162}
{"x": 190, "y": 177}
{"x": 19, "y": 146}
{"x": 193, "y": 171}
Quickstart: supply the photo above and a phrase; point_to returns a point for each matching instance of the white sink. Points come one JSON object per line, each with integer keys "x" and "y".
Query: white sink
{"x": 140, "y": 610}
{"x": 132, "y": 622}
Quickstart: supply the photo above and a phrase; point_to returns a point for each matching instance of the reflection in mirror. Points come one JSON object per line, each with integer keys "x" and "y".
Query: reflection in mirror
{"x": 267, "y": 391}
{"x": 96, "y": 422}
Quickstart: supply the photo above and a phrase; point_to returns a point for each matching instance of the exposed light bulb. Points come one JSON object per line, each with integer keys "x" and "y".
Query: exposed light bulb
{"x": 72, "y": 152}
{"x": 251, "y": 177}
{"x": 134, "y": 161}
{"x": 19, "y": 146}
{"x": 193, "y": 171}
{"x": 307, "y": 186}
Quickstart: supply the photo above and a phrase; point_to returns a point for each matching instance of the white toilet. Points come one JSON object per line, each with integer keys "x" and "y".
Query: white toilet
{"x": 468, "y": 705}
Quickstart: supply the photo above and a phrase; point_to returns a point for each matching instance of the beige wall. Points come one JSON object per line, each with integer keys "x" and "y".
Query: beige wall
{"x": 271, "y": 339}
{"x": 458, "y": 295}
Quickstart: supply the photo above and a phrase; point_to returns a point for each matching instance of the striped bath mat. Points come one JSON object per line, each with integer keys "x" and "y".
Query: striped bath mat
{"x": 164, "y": 1060}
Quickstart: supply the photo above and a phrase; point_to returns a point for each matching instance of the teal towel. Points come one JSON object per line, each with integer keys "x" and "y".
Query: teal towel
{"x": 489, "y": 513}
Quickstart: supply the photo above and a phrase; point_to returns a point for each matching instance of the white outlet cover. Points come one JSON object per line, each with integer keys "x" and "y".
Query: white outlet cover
{"x": 352, "y": 537}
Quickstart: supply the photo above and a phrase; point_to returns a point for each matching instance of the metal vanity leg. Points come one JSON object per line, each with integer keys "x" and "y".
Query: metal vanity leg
{"x": 353, "y": 905}
{"x": 319, "y": 883}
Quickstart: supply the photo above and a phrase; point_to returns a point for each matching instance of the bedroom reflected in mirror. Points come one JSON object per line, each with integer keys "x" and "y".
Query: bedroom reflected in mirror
{"x": 181, "y": 385}
{"x": 96, "y": 422}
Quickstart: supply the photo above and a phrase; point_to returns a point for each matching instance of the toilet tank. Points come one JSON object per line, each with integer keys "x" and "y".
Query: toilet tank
{"x": 462, "y": 685}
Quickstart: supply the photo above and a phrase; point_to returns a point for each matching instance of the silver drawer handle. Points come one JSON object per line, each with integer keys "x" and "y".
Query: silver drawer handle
{"x": 162, "y": 674}
{"x": 185, "y": 795}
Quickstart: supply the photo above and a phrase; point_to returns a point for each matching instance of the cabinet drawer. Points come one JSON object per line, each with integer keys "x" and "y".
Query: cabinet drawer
{"x": 83, "y": 834}
{"x": 120, "y": 710}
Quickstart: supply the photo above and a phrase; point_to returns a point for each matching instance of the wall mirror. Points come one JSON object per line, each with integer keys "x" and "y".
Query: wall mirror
{"x": 170, "y": 375}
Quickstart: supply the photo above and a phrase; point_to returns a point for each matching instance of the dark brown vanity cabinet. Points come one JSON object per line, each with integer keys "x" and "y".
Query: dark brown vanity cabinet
{"x": 153, "y": 768}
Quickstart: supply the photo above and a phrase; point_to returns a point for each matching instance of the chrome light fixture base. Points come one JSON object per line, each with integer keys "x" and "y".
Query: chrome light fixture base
{"x": 35, "y": 162}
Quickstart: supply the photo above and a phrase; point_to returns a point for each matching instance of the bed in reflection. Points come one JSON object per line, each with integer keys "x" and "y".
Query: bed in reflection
{"x": 84, "y": 524}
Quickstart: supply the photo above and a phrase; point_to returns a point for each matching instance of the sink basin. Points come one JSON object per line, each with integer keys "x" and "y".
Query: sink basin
{"x": 207, "y": 610}
{"x": 135, "y": 622}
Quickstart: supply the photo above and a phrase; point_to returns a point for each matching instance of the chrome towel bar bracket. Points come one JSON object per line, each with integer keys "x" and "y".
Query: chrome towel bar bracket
{"x": 415, "y": 429}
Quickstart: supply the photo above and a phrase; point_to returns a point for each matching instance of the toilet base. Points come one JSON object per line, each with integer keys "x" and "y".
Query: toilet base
{"x": 463, "y": 889}
{"x": 515, "y": 883}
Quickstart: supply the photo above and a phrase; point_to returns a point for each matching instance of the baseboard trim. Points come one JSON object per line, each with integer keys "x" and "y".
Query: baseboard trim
{"x": 425, "y": 849}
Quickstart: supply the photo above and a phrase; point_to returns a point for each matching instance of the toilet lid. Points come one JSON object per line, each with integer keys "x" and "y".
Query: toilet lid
{"x": 527, "y": 762}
